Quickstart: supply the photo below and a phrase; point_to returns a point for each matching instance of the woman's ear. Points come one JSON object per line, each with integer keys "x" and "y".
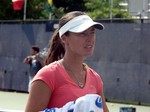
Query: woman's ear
{"x": 64, "y": 39}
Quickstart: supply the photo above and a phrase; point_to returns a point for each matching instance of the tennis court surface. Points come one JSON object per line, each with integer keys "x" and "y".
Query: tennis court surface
{"x": 15, "y": 102}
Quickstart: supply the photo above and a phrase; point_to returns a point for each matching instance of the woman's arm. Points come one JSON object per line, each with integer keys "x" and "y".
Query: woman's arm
{"x": 105, "y": 108}
{"x": 39, "y": 96}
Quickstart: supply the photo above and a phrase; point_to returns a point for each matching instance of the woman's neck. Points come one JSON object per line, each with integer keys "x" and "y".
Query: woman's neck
{"x": 76, "y": 70}
{"x": 75, "y": 64}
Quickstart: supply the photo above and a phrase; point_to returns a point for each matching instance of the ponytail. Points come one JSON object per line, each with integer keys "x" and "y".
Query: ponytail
{"x": 56, "y": 49}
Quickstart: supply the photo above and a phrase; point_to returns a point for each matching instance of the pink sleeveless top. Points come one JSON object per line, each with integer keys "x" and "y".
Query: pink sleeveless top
{"x": 63, "y": 88}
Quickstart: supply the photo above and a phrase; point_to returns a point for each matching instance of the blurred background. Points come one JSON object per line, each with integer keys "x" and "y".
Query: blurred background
{"x": 121, "y": 57}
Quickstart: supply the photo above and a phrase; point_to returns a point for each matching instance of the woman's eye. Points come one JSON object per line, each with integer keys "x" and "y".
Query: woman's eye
{"x": 92, "y": 32}
{"x": 83, "y": 34}
{"x": 87, "y": 33}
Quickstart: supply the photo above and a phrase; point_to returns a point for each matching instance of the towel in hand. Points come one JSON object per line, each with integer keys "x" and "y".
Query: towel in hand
{"x": 87, "y": 103}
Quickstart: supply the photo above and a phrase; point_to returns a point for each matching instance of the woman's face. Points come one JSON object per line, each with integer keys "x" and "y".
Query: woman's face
{"x": 81, "y": 44}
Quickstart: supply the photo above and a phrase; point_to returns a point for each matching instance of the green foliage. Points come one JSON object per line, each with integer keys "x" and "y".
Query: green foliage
{"x": 57, "y": 12}
{"x": 97, "y": 9}
{"x": 100, "y": 9}
{"x": 7, "y": 12}
{"x": 40, "y": 9}
{"x": 69, "y": 5}
{"x": 35, "y": 10}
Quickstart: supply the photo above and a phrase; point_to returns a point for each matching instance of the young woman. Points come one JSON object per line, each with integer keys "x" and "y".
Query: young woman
{"x": 66, "y": 77}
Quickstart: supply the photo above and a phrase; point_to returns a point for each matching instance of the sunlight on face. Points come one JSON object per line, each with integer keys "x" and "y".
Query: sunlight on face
{"x": 82, "y": 43}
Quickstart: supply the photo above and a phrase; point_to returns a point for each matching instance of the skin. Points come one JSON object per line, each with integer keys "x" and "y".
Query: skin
{"x": 78, "y": 46}
{"x": 29, "y": 58}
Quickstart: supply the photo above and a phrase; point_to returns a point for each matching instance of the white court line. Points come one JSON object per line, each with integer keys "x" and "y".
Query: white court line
{"x": 6, "y": 110}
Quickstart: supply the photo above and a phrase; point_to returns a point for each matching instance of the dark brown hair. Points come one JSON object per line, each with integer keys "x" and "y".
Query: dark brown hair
{"x": 56, "y": 49}
{"x": 36, "y": 48}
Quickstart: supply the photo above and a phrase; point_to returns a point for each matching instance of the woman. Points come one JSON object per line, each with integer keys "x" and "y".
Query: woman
{"x": 65, "y": 77}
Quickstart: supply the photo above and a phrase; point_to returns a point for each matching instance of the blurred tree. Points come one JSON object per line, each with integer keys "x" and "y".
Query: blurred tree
{"x": 70, "y": 5}
{"x": 99, "y": 9}
{"x": 7, "y": 12}
{"x": 63, "y": 6}
{"x": 37, "y": 9}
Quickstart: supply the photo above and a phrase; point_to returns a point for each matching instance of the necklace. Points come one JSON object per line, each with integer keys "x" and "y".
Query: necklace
{"x": 80, "y": 83}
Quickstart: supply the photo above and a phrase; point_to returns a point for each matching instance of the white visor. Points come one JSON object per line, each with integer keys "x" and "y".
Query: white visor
{"x": 79, "y": 24}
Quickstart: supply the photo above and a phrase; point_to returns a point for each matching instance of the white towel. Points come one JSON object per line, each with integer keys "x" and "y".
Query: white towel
{"x": 87, "y": 103}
